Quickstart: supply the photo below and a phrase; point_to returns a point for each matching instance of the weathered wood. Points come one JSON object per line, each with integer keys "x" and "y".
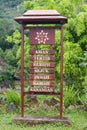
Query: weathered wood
{"x": 41, "y": 89}
{"x": 51, "y": 52}
{"x": 42, "y": 77}
{"x": 42, "y": 36}
{"x": 54, "y": 27}
{"x": 32, "y": 120}
{"x": 42, "y": 58}
{"x": 41, "y": 83}
{"x": 42, "y": 64}
{"x": 43, "y": 93}
{"x": 61, "y": 72}
{"x": 41, "y": 70}
{"x": 22, "y": 71}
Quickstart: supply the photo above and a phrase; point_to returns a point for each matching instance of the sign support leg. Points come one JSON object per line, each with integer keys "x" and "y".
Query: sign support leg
{"x": 22, "y": 71}
{"x": 61, "y": 73}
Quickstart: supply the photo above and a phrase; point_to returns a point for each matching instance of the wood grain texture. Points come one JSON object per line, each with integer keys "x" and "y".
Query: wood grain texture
{"x": 41, "y": 83}
{"x": 45, "y": 52}
{"x": 42, "y": 58}
{"x": 42, "y": 64}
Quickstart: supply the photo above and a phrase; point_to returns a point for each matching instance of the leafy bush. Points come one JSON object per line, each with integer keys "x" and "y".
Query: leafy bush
{"x": 7, "y": 73}
{"x": 12, "y": 96}
{"x": 73, "y": 73}
{"x": 83, "y": 100}
{"x": 7, "y": 76}
{"x": 70, "y": 96}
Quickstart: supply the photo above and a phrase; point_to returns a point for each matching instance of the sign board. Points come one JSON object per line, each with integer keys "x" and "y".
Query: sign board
{"x": 41, "y": 83}
{"x": 41, "y": 70}
{"x": 32, "y": 89}
{"x": 42, "y": 58}
{"x": 42, "y": 62}
{"x": 42, "y": 36}
{"x": 42, "y": 77}
{"x": 51, "y": 52}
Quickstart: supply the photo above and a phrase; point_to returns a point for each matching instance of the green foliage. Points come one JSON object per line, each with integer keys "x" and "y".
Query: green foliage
{"x": 10, "y": 3}
{"x": 66, "y": 8}
{"x": 5, "y": 27}
{"x": 75, "y": 39}
{"x": 8, "y": 10}
{"x": 73, "y": 72}
{"x": 83, "y": 98}
{"x": 16, "y": 51}
{"x": 40, "y": 4}
{"x": 14, "y": 38}
{"x": 77, "y": 28}
{"x": 10, "y": 58}
{"x": 1, "y": 53}
{"x": 7, "y": 73}
{"x": 70, "y": 96}
{"x": 12, "y": 96}
{"x": 80, "y": 28}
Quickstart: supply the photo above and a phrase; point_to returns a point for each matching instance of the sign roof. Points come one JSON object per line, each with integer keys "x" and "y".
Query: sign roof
{"x": 41, "y": 17}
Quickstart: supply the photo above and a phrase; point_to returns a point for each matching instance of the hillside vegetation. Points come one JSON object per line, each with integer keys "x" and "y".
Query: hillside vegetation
{"x": 75, "y": 43}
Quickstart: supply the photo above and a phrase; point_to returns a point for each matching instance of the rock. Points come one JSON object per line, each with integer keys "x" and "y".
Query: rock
{"x": 32, "y": 100}
{"x": 7, "y": 84}
{"x": 11, "y": 107}
{"x": 47, "y": 102}
{"x": 53, "y": 101}
{"x": 17, "y": 75}
{"x": 57, "y": 106}
{"x": 81, "y": 107}
{"x": 71, "y": 107}
{"x": 79, "y": 102}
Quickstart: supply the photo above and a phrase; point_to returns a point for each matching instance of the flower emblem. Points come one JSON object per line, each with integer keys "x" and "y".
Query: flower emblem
{"x": 41, "y": 37}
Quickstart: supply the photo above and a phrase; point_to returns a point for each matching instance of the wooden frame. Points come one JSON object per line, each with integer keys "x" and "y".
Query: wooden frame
{"x": 42, "y": 17}
{"x": 31, "y": 64}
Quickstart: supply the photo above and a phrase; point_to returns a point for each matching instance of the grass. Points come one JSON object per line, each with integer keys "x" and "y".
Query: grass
{"x": 78, "y": 120}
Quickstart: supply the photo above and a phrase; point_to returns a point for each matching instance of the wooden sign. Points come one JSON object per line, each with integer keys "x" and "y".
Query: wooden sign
{"x": 51, "y": 52}
{"x": 42, "y": 77}
{"x": 41, "y": 83}
{"x": 42, "y": 64}
{"x": 41, "y": 70}
{"x": 42, "y": 35}
{"x": 32, "y": 89}
{"x": 45, "y": 58}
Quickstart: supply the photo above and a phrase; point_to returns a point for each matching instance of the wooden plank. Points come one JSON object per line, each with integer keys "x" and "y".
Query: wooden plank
{"x": 34, "y": 120}
{"x": 41, "y": 70}
{"x": 41, "y": 83}
{"x": 43, "y": 93}
{"x": 42, "y": 77}
{"x": 42, "y": 36}
{"x": 42, "y": 64}
{"x": 32, "y": 89}
{"x": 51, "y": 52}
{"x": 42, "y": 58}
{"x": 41, "y": 13}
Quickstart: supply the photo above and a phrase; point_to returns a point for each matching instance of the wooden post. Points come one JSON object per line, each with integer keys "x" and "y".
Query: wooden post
{"x": 61, "y": 73}
{"x": 22, "y": 71}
